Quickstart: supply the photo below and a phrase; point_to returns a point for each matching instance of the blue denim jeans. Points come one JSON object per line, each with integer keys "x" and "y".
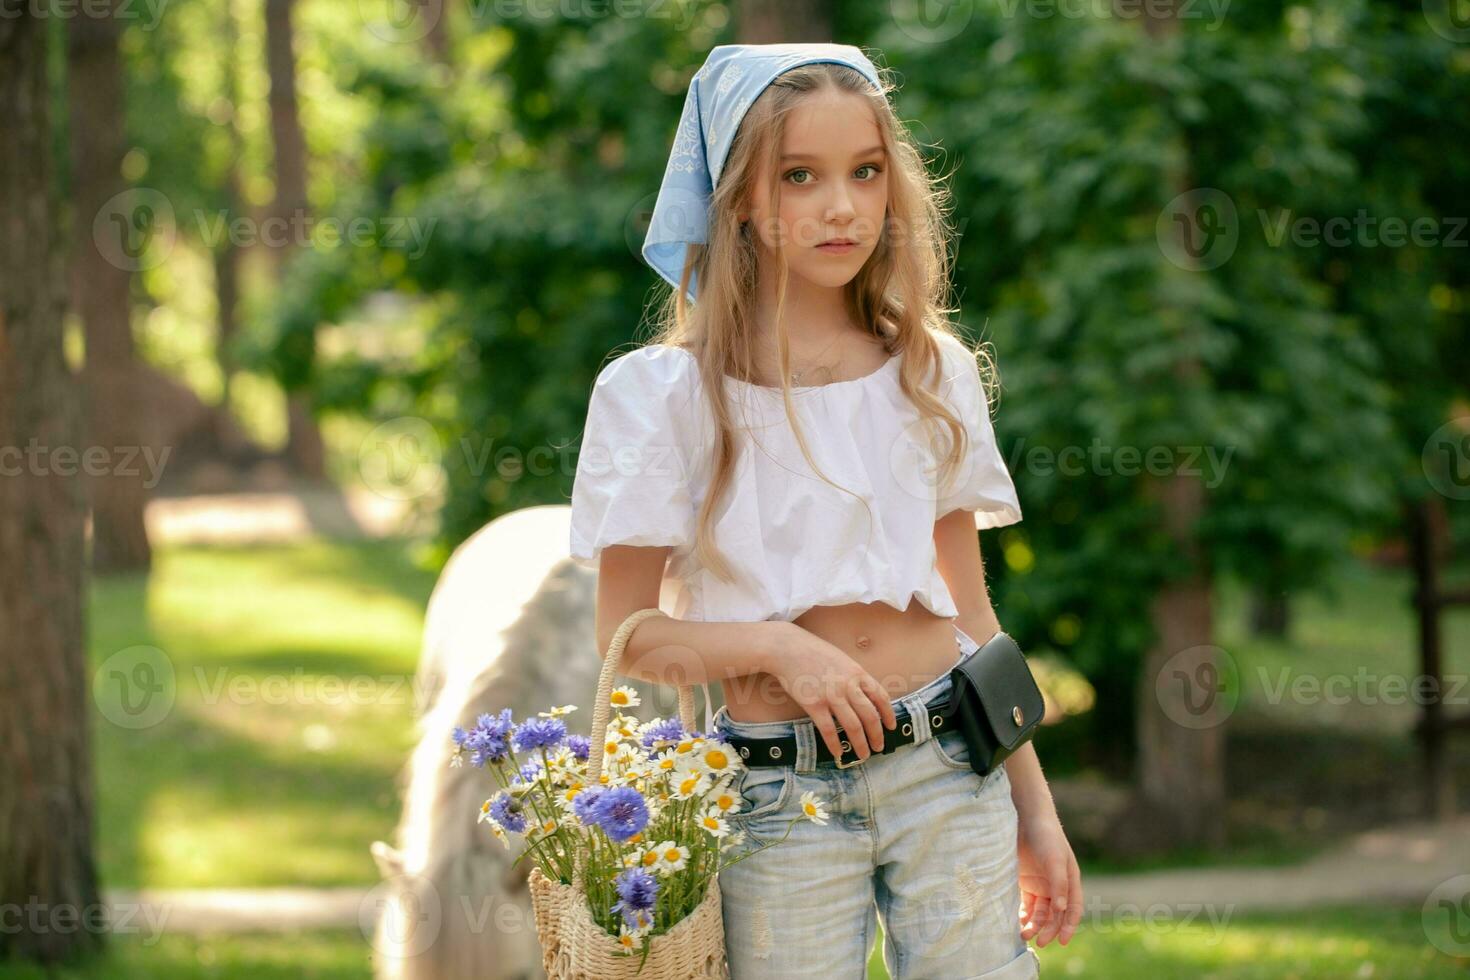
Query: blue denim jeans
{"x": 914, "y": 837}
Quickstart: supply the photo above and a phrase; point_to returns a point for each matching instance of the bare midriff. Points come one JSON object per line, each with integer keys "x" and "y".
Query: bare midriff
{"x": 903, "y": 650}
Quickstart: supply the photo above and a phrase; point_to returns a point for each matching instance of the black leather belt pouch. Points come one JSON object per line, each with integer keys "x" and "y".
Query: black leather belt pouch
{"x": 994, "y": 702}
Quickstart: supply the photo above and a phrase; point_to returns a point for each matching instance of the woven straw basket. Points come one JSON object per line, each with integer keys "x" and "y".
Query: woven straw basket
{"x": 573, "y": 945}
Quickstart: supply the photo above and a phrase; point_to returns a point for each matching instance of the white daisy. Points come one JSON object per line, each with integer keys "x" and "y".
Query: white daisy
{"x": 812, "y": 808}
{"x": 625, "y": 697}
{"x": 671, "y": 857}
{"x": 725, "y": 801}
{"x": 690, "y": 784}
{"x": 713, "y": 823}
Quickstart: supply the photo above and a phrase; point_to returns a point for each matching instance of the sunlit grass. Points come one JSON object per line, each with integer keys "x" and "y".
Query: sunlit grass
{"x": 1351, "y": 655}
{"x": 1335, "y": 943}
{"x": 1374, "y": 943}
{"x": 250, "y": 956}
{"x": 293, "y": 668}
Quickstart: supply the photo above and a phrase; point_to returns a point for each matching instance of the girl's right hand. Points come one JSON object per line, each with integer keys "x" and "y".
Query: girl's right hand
{"x": 833, "y": 689}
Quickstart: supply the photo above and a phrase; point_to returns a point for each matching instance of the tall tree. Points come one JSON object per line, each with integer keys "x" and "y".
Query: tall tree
{"x": 1181, "y": 767}
{"x": 100, "y": 282}
{"x": 305, "y": 446}
{"x": 46, "y": 824}
{"x": 785, "y": 21}
{"x": 227, "y": 254}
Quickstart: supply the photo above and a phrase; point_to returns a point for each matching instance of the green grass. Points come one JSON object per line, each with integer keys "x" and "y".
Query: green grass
{"x": 1335, "y": 943}
{"x": 261, "y": 773}
{"x": 251, "y": 956}
{"x": 1349, "y": 941}
{"x": 1358, "y": 637}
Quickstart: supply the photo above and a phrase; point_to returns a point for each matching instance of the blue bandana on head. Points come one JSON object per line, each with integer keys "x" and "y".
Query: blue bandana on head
{"x": 719, "y": 94}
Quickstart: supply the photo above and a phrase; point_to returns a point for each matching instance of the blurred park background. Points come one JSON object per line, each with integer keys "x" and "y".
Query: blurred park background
{"x": 296, "y": 295}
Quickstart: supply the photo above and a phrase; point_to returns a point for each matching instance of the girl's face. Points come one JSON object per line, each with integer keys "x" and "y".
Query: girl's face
{"x": 834, "y": 188}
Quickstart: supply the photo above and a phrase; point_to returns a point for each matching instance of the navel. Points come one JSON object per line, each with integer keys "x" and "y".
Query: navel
{"x": 863, "y": 642}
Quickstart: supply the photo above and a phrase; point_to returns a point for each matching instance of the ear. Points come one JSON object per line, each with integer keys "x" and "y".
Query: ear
{"x": 389, "y": 860}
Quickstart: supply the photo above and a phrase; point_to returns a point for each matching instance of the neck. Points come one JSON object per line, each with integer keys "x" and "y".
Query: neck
{"x": 815, "y": 315}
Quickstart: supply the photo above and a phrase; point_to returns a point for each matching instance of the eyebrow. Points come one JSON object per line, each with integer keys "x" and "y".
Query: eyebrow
{"x": 870, "y": 151}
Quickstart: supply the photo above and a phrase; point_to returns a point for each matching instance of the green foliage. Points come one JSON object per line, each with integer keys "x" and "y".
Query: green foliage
{"x": 1297, "y": 380}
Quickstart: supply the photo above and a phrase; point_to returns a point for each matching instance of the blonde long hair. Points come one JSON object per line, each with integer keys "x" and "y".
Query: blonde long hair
{"x": 901, "y": 295}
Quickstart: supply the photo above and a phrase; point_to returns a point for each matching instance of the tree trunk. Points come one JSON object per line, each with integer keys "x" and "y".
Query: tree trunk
{"x": 436, "y": 42}
{"x": 305, "y": 447}
{"x": 785, "y": 21}
{"x": 99, "y": 287}
{"x": 47, "y": 870}
{"x": 1182, "y": 705}
{"x": 1270, "y": 613}
{"x": 227, "y": 253}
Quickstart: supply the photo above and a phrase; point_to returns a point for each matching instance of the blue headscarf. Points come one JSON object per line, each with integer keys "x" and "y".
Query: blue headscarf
{"x": 719, "y": 94}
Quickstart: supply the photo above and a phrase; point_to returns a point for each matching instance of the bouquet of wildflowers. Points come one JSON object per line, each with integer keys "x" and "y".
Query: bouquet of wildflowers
{"x": 645, "y": 829}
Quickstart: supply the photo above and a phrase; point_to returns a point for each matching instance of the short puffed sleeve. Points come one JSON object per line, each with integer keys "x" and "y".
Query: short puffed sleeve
{"x": 642, "y": 450}
{"x": 982, "y": 483}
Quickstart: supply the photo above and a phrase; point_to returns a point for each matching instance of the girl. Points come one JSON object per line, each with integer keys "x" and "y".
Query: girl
{"x": 803, "y": 456}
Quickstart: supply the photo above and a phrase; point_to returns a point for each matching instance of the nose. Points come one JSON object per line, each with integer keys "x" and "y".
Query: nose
{"x": 840, "y": 208}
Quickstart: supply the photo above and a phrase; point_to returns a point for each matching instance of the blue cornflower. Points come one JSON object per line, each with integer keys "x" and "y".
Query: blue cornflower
{"x": 487, "y": 741}
{"x": 638, "y": 891}
{"x": 621, "y": 813}
{"x": 584, "y": 804}
{"x": 536, "y": 733}
{"x": 663, "y": 730}
{"x": 580, "y": 745}
{"x": 529, "y": 773}
{"x": 506, "y": 810}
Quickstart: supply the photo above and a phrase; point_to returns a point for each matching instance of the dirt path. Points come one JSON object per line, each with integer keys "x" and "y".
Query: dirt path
{"x": 1399, "y": 865}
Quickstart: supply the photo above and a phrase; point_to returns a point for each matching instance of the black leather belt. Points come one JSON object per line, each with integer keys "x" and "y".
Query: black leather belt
{"x": 781, "y": 751}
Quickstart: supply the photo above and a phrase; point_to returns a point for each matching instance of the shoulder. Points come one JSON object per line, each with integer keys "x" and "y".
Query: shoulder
{"x": 663, "y": 365}
{"x": 653, "y": 374}
{"x": 656, "y": 386}
{"x": 956, "y": 359}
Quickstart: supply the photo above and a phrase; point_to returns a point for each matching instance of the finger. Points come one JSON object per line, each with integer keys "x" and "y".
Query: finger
{"x": 1028, "y": 928}
{"x": 1073, "y": 918}
{"x": 867, "y": 712}
{"x": 1040, "y": 912}
{"x": 881, "y": 700}
{"x": 1057, "y": 882}
{"x": 822, "y": 719}
{"x": 847, "y": 720}
{"x": 1028, "y": 902}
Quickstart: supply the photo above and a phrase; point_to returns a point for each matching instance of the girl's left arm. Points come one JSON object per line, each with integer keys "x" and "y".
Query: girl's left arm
{"x": 1051, "y": 882}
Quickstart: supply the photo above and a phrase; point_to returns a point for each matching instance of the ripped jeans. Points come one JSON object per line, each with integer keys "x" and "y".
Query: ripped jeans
{"x": 914, "y": 837}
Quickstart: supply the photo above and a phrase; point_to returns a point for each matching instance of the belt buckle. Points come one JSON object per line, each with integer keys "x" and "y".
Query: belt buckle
{"x": 847, "y": 765}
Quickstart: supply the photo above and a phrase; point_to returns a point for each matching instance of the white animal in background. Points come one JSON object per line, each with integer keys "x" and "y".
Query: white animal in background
{"x": 510, "y": 624}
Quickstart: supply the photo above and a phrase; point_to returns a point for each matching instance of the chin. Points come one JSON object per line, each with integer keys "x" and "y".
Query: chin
{"x": 832, "y": 275}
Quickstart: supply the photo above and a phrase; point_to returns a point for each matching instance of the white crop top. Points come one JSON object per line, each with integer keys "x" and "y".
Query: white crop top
{"x": 794, "y": 541}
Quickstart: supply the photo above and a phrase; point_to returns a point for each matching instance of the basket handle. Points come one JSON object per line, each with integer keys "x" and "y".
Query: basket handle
{"x": 603, "y": 706}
